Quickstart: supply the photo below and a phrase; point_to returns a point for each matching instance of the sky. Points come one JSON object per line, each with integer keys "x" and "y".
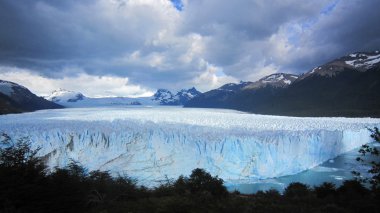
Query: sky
{"x": 106, "y": 48}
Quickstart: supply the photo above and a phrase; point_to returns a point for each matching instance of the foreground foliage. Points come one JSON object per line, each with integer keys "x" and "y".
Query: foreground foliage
{"x": 27, "y": 186}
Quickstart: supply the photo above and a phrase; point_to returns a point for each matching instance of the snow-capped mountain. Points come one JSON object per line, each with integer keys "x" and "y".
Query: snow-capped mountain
{"x": 347, "y": 86}
{"x": 230, "y": 87}
{"x": 223, "y": 97}
{"x": 184, "y": 95}
{"x": 63, "y": 96}
{"x": 360, "y": 61}
{"x": 17, "y": 98}
{"x": 363, "y": 60}
{"x": 76, "y": 99}
{"x": 165, "y": 97}
{"x": 279, "y": 79}
{"x": 8, "y": 88}
{"x": 216, "y": 97}
{"x": 161, "y": 97}
{"x": 274, "y": 80}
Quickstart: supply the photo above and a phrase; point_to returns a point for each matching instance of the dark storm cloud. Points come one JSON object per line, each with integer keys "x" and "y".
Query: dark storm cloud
{"x": 249, "y": 33}
{"x": 29, "y": 32}
{"x": 56, "y": 30}
{"x": 157, "y": 44}
{"x": 49, "y": 35}
{"x": 254, "y": 19}
{"x": 350, "y": 27}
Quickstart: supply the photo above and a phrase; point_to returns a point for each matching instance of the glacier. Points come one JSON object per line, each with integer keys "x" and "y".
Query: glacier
{"x": 152, "y": 144}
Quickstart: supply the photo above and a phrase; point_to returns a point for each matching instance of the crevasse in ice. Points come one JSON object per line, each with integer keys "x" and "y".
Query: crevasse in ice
{"x": 151, "y": 144}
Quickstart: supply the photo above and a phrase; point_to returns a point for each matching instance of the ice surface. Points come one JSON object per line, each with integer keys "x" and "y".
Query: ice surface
{"x": 109, "y": 102}
{"x": 153, "y": 143}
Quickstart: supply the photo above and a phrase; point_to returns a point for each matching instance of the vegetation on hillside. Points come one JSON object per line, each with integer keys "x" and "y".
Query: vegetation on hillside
{"x": 349, "y": 93}
{"x": 27, "y": 186}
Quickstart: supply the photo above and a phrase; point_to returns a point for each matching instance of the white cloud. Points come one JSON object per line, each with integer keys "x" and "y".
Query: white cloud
{"x": 89, "y": 85}
{"x": 211, "y": 77}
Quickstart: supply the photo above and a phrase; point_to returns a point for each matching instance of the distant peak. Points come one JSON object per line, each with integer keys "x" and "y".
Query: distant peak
{"x": 61, "y": 90}
{"x": 279, "y": 78}
{"x": 162, "y": 91}
{"x": 359, "y": 61}
{"x": 192, "y": 89}
{"x": 63, "y": 95}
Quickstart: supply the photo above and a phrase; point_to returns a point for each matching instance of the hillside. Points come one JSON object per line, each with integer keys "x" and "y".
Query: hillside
{"x": 15, "y": 98}
{"x": 348, "y": 86}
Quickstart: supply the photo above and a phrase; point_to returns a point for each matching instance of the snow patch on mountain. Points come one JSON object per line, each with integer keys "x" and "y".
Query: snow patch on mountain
{"x": 279, "y": 78}
{"x": 230, "y": 87}
{"x": 166, "y": 97}
{"x": 363, "y": 60}
{"x": 64, "y": 96}
{"x": 183, "y": 96}
{"x": 7, "y": 87}
{"x": 354, "y": 61}
{"x": 275, "y": 80}
{"x": 315, "y": 69}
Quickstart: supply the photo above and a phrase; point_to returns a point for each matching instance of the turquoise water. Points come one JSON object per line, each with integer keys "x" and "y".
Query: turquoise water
{"x": 335, "y": 171}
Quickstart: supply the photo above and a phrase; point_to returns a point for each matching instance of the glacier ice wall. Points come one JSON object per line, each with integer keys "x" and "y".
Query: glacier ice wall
{"x": 152, "y": 144}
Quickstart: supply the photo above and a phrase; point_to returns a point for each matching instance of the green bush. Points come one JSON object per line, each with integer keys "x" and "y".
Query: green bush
{"x": 26, "y": 186}
{"x": 297, "y": 190}
{"x": 325, "y": 190}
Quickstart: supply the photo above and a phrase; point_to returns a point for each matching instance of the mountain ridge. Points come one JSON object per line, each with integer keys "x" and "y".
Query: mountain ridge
{"x": 161, "y": 97}
{"x": 346, "y": 86}
{"x": 15, "y": 98}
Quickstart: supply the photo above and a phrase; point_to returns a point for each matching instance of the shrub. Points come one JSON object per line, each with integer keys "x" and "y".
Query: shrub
{"x": 297, "y": 190}
{"x": 200, "y": 181}
{"x": 325, "y": 190}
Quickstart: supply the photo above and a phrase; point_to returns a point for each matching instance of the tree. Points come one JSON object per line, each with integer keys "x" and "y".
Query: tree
{"x": 374, "y": 160}
{"x": 201, "y": 181}
{"x": 17, "y": 154}
{"x": 297, "y": 190}
{"x": 325, "y": 190}
{"x": 22, "y": 176}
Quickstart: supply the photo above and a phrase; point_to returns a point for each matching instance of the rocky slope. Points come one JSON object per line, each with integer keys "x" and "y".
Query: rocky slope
{"x": 15, "y": 98}
{"x": 347, "y": 86}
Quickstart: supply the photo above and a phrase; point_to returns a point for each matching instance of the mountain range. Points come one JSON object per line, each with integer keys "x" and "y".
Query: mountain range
{"x": 348, "y": 86}
{"x": 15, "y": 98}
{"x": 161, "y": 97}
